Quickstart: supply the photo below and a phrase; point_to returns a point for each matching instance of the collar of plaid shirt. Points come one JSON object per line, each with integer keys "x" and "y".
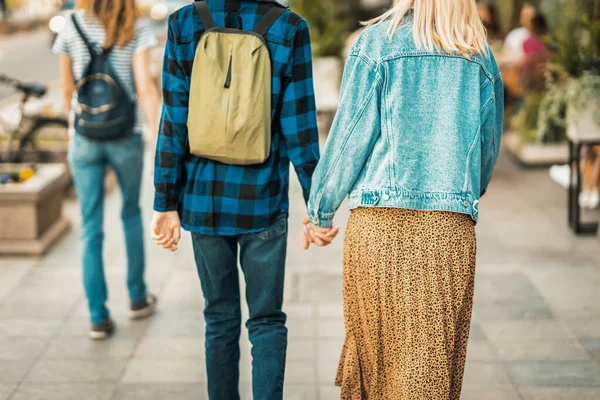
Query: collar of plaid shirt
{"x": 234, "y": 5}
{"x": 257, "y": 1}
{"x": 228, "y": 200}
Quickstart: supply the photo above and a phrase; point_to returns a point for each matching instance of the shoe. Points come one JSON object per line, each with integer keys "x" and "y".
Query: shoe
{"x": 103, "y": 330}
{"x": 561, "y": 174}
{"x": 594, "y": 199}
{"x": 144, "y": 308}
{"x": 589, "y": 200}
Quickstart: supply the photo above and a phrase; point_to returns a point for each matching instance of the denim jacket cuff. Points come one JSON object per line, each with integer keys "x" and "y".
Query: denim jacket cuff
{"x": 321, "y": 220}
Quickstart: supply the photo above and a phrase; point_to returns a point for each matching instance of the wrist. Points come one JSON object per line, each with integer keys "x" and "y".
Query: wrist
{"x": 166, "y": 212}
{"x": 164, "y": 208}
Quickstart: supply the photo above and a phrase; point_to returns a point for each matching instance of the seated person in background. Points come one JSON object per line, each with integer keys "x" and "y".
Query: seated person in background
{"x": 535, "y": 55}
{"x": 590, "y": 197}
{"x": 513, "y": 53}
{"x": 535, "y": 44}
{"x": 488, "y": 12}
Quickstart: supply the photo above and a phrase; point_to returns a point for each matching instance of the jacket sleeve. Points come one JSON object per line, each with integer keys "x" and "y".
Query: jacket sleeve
{"x": 355, "y": 130}
{"x": 491, "y": 135}
{"x": 169, "y": 163}
{"x": 299, "y": 112}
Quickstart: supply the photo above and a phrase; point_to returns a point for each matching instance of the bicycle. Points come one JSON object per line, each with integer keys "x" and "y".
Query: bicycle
{"x": 33, "y": 131}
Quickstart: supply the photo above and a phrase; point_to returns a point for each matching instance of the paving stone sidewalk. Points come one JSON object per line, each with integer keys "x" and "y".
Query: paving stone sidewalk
{"x": 535, "y": 336}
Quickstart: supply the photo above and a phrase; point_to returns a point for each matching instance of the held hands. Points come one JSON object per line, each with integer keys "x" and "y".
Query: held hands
{"x": 166, "y": 229}
{"x": 319, "y": 236}
{"x": 166, "y": 232}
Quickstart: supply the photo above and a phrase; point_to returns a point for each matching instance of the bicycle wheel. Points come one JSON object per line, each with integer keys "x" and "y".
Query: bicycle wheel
{"x": 45, "y": 141}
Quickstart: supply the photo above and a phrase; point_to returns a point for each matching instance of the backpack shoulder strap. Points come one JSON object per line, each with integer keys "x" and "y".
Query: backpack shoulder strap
{"x": 263, "y": 26}
{"x": 84, "y": 37}
{"x": 205, "y": 15}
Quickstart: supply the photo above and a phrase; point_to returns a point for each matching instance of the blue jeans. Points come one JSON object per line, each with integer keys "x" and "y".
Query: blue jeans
{"x": 262, "y": 258}
{"x": 88, "y": 160}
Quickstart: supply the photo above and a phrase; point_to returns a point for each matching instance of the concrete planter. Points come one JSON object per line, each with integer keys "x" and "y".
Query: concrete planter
{"x": 31, "y": 212}
{"x": 581, "y": 124}
{"x": 535, "y": 154}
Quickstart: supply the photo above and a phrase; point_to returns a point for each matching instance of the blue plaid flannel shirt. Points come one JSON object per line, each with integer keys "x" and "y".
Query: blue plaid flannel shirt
{"x": 218, "y": 199}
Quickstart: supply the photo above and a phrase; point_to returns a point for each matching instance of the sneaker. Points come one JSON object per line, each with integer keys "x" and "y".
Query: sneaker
{"x": 561, "y": 174}
{"x": 594, "y": 200}
{"x": 103, "y": 330}
{"x": 589, "y": 200}
{"x": 144, "y": 308}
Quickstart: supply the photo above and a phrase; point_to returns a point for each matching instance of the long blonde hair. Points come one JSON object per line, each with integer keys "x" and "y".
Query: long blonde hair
{"x": 117, "y": 17}
{"x": 453, "y": 26}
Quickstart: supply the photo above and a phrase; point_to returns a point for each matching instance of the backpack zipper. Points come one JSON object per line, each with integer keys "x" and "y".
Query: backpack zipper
{"x": 229, "y": 73}
{"x": 107, "y": 124}
{"x": 106, "y": 78}
{"x": 95, "y": 110}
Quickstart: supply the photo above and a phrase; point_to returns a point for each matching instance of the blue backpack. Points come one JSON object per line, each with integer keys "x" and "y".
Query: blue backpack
{"x": 105, "y": 111}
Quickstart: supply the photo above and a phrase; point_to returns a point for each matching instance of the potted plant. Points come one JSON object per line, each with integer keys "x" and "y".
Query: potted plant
{"x": 538, "y": 136}
{"x": 573, "y": 99}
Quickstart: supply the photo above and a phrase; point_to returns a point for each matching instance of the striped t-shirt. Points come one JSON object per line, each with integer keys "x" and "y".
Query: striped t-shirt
{"x": 121, "y": 58}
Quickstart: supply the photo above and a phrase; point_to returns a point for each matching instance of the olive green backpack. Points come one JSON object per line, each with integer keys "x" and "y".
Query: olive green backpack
{"x": 229, "y": 117}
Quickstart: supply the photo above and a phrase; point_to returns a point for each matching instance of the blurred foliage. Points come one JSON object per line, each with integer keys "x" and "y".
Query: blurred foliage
{"x": 578, "y": 40}
{"x": 574, "y": 75}
{"x": 526, "y": 121}
{"x": 329, "y": 23}
{"x": 15, "y": 4}
{"x": 564, "y": 14}
{"x": 553, "y": 9}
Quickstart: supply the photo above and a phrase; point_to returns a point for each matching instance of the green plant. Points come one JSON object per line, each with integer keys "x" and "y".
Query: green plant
{"x": 15, "y": 4}
{"x": 562, "y": 13}
{"x": 329, "y": 24}
{"x": 579, "y": 44}
{"x": 577, "y": 93}
{"x": 526, "y": 121}
{"x": 573, "y": 77}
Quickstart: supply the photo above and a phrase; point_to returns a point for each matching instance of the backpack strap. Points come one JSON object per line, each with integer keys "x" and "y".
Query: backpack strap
{"x": 205, "y": 15}
{"x": 84, "y": 37}
{"x": 88, "y": 44}
{"x": 263, "y": 26}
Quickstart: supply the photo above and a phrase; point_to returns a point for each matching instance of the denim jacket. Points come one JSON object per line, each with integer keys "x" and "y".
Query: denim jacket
{"x": 414, "y": 129}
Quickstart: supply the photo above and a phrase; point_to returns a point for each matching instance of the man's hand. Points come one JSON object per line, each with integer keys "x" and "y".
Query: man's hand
{"x": 319, "y": 236}
{"x": 166, "y": 229}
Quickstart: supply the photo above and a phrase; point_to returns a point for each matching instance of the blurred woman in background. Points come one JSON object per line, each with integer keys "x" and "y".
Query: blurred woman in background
{"x": 513, "y": 52}
{"x": 115, "y": 31}
{"x": 513, "y": 45}
{"x": 414, "y": 144}
{"x": 535, "y": 56}
{"x": 538, "y": 28}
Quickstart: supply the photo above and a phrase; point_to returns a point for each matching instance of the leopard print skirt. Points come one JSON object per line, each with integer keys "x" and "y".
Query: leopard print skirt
{"x": 408, "y": 295}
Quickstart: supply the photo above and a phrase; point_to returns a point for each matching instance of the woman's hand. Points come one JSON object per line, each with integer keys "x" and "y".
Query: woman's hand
{"x": 320, "y": 236}
{"x": 166, "y": 229}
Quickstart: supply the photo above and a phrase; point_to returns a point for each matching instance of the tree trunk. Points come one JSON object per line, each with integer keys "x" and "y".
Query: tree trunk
{"x": 515, "y": 19}
{"x": 597, "y": 11}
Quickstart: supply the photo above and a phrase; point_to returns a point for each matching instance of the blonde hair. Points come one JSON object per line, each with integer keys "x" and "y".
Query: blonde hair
{"x": 453, "y": 26}
{"x": 117, "y": 17}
